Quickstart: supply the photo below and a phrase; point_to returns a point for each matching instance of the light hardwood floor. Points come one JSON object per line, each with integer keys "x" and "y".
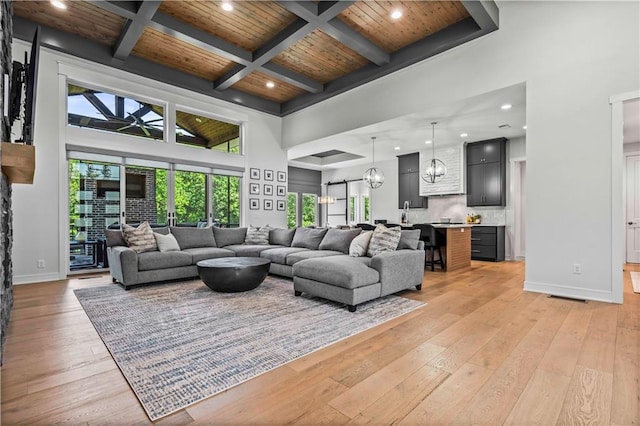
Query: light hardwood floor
{"x": 481, "y": 351}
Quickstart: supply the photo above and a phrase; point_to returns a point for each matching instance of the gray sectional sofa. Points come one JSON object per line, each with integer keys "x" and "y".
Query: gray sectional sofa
{"x": 316, "y": 259}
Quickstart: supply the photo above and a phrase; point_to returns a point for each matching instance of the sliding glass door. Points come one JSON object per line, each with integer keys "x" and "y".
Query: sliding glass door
{"x": 104, "y": 194}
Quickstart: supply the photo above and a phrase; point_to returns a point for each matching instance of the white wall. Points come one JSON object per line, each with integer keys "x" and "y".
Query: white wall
{"x": 40, "y": 210}
{"x": 573, "y": 56}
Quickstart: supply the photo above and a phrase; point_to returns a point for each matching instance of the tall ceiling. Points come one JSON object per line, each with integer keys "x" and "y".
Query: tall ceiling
{"x": 274, "y": 56}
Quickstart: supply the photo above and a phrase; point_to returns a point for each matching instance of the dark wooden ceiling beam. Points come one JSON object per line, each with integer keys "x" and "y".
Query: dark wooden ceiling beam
{"x": 280, "y": 42}
{"x": 288, "y": 76}
{"x": 170, "y": 26}
{"x": 484, "y": 13}
{"x": 134, "y": 28}
{"x": 337, "y": 29}
{"x": 99, "y": 105}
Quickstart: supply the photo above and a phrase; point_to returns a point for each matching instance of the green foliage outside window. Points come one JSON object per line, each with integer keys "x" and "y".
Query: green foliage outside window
{"x": 190, "y": 197}
{"x": 226, "y": 200}
{"x": 292, "y": 207}
{"x": 366, "y": 208}
{"x": 352, "y": 209}
{"x": 309, "y": 203}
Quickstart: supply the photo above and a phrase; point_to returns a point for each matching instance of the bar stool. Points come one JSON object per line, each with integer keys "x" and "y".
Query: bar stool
{"x": 433, "y": 241}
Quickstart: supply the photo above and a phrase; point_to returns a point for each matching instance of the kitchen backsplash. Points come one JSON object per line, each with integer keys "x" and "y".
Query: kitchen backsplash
{"x": 455, "y": 207}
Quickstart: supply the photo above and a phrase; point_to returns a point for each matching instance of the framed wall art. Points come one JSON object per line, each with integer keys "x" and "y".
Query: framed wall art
{"x": 254, "y": 174}
{"x": 268, "y": 174}
{"x": 281, "y": 191}
{"x": 281, "y": 205}
{"x": 282, "y": 176}
{"x": 254, "y": 188}
{"x": 254, "y": 204}
{"x": 268, "y": 204}
{"x": 267, "y": 189}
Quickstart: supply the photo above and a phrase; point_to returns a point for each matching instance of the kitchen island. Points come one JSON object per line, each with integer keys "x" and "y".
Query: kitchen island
{"x": 457, "y": 251}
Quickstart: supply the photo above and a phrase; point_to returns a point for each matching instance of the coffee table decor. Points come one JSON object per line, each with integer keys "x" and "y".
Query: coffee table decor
{"x": 177, "y": 344}
{"x": 233, "y": 274}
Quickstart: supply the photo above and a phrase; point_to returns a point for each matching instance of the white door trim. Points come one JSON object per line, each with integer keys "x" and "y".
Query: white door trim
{"x": 624, "y": 199}
{"x": 617, "y": 206}
{"x": 515, "y": 165}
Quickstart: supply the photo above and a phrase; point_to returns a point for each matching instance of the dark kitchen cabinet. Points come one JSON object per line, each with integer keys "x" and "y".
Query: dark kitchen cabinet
{"x": 409, "y": 182}
{"x": 487, "y": 243}
{"x": 486, "y": 173}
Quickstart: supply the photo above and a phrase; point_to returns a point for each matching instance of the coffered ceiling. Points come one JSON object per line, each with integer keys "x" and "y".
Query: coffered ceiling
{"x": 274, "y": 56}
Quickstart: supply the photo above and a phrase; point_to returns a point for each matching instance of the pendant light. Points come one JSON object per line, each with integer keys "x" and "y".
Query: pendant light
{"x": 436, "y": 170}
{"x": 373, "y": 177}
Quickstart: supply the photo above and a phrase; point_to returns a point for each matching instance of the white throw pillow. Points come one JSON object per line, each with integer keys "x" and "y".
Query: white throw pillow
{"x": 384, "y": 239}
{"x": 166, "y": 242}
{"x": 360, "y": 244}
{"x": 139, "y": 239}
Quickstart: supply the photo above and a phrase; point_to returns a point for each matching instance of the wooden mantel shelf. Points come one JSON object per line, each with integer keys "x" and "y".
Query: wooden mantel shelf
{"x": 18, "y": 162}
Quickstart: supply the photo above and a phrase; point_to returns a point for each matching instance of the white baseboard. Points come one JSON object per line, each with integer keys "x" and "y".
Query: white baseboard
{"x": 568, "y": 291}
{"x": 36, "y": 278}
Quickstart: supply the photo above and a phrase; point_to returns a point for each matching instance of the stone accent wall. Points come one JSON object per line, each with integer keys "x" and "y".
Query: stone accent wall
{"x": 6, "y": 229}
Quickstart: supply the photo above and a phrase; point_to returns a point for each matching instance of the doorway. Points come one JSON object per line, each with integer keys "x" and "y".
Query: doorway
{"x": 632, "y": 208}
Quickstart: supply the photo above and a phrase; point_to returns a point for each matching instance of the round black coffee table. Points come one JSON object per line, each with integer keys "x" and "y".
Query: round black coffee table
{"x": 233, "y": 274}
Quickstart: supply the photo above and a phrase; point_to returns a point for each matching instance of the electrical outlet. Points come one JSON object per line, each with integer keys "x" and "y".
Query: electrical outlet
{"x": 41, "y": 264}
{"x": 577, "y": 268}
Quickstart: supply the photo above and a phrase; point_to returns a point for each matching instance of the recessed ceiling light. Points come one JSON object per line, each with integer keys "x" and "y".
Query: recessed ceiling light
{"x": 58, "y": 4}
{"x": 463, "y": 135}
{"x": 396, "y": 14}
{"x": 506, "y": 106}
{"x": 427, "y": 142}
{"x": 397, "y": 148}
{"x": 270, "y": 84}
{"x": 524, "y": 127}
{"x": 226, "y": 5}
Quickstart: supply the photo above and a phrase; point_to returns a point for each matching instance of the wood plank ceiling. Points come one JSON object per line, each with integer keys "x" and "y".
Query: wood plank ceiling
{"x": 278, "y": 57}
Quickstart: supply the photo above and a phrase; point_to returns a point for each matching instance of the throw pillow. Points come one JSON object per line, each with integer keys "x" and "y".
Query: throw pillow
{"x": 229, "y": 236}
{"x": 339, "y": 239}
{"x": 384, "y": 239}
{"x": 409, "y": 239}
{"x": 360, "y": 244}
{"x": 308, "y": 238}
{"x": 189, "y": 237}
{"x": 281, "y": 237}
{"x": 139, "y": 239}
{"x": 166, "y": 242}
{"x": 257, "y": 236}
{"x": 114, "y": 237}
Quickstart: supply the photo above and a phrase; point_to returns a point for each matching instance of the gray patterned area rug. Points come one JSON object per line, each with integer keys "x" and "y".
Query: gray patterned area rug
{"x": 177, "y": 344}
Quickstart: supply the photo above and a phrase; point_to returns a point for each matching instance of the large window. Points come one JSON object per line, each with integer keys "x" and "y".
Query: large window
{"x": 100, "y": 110}
{"x": 226, "y": 201}
{"x": 146, "y": 195}
{"x": 205, "y": 132}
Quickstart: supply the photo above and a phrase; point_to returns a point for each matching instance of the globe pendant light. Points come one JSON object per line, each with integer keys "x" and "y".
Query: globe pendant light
{"x": 373, "y": 177}
{"x": 436, "y": 170}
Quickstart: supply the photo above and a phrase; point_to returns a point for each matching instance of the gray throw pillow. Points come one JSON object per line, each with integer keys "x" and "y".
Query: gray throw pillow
{"x": 308, "y": 238}
{"x": 383, "y": 239}
{"x": 257, "y": 236}
{"x": 339, "y": 239}
{"x": 189, "y": 237}
{"x": 281, "y": 237}
{"x": 114, "y": 237}
{"x": 229, "y": 236}
{"x": 409, "y": 239}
